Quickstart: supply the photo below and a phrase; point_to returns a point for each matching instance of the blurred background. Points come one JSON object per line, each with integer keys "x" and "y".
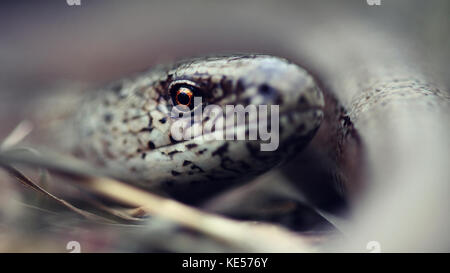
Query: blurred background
{"x": 49, "y": 41}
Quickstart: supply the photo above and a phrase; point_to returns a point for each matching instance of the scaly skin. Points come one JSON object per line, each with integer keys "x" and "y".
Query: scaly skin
{"x": 126, "y": 126}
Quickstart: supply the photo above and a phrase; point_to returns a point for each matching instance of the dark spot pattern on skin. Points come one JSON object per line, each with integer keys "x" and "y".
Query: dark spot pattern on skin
{"x": 279, "y": 100}
{"x": 150, "y": 121}
{"x": 172, "y": 153}
{"x": 264, "y": 89}
{"x": 147, "y": 129}
{"x": 301, "y": 100}
{"x": 163, "y": 120}
{"x": 202, "y": 151}
{"x": 221, "y": 150}
{"x": 108, "y": 117}
{"x": 161, "y": 89}
{"x": 116, "y": 88}
{"x": 240, "y": 87}
{"x": 226, "y": 164}
{"x": 212, "y": 89}
{"x": 227, "y": 85}
{"x": 143, "y": 155}
{"x": 195, "y": 167}
{"x": 226, "y": 161}
{"x": 186, "y": 162}
{"x": 151, "y": 145}
{"x": 190, "y": 146}
{"x": 175, "y": 173}
{"x": 172, "y": 140}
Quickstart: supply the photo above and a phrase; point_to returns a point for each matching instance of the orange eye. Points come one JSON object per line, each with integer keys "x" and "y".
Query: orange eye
{"x": 184, "y": 96}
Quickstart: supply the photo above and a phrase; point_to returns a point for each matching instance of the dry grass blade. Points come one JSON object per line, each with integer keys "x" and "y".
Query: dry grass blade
{"x": 121, "y": 214}
{"x": 29, "y": 183}
{"x": 242, "y": 236}
{"x": 17, "y": 135}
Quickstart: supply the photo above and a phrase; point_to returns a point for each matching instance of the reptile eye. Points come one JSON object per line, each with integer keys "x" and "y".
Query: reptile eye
{"x": 183, "y": 95}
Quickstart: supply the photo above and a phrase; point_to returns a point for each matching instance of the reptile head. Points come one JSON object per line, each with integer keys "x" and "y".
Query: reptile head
{"x": 162, "y": 127}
